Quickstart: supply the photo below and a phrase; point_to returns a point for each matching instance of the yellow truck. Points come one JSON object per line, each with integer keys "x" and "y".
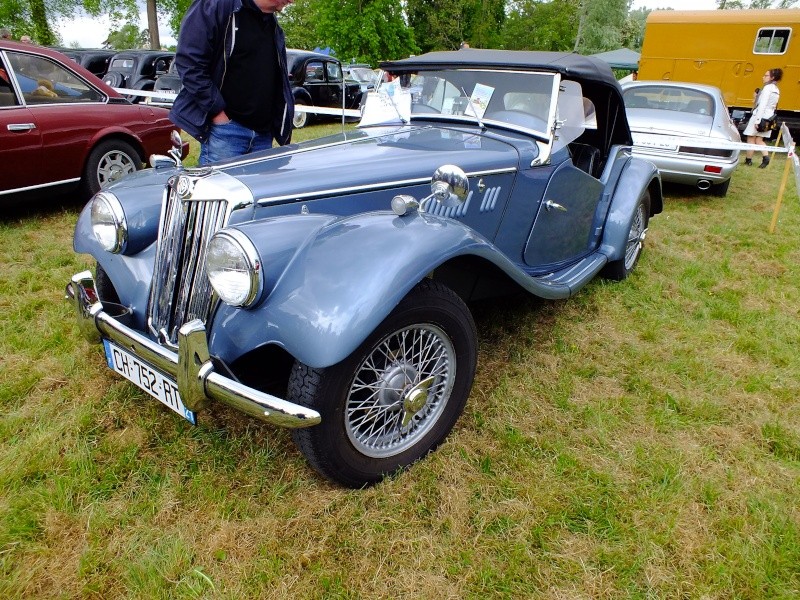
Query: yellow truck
{"x": 730, "y": 49}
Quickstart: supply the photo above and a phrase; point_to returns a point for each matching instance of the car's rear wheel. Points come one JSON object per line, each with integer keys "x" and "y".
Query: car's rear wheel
{"x": 620, "y": 269}
{"x": 300, "y": 119}
{"x": 721, "y": 189}
{"x": 395, "y": 398}
{"x": 108, "y": 161}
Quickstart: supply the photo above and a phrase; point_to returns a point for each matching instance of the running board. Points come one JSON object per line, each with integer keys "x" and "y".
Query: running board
{"x": 578, "y": 275}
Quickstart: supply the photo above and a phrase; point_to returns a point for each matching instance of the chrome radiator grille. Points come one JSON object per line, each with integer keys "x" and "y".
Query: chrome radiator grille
{"x": 181, "y": 291}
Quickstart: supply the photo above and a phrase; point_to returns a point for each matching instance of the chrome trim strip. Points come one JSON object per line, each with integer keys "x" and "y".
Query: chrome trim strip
{"x": 191, "y": 367}
{"x": 372, "y": 187}
{"x": 41, "y": 185}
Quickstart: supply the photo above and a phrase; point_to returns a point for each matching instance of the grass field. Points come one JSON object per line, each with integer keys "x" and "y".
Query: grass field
{"x": 640, "y": 440}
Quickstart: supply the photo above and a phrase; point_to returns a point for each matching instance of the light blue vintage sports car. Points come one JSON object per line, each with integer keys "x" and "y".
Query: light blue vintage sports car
{"x": 323, "y": 286}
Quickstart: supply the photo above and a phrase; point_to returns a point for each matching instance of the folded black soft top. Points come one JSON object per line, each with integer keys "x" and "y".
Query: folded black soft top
{"x": 573, "y": 66}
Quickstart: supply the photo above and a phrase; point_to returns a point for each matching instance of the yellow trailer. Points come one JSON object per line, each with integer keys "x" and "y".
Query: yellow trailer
{"x": 730, "y": 49}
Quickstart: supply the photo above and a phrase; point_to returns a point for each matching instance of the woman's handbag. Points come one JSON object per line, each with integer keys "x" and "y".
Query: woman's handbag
{"x": 767, "y": 124}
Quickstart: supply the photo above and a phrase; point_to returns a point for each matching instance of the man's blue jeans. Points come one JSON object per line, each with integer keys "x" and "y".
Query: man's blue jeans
{"x": 231, "y": 140}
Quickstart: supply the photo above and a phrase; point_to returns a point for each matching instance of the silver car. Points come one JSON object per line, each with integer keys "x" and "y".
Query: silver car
{"x": 669, "y": 122}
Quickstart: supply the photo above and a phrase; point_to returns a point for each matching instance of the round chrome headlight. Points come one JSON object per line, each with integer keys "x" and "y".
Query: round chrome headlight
{"x": 108, "y": 222}
{"x": 233, "y": 268}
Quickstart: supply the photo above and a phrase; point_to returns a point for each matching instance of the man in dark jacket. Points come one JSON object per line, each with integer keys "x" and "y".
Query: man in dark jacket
{"x": 236, "y": 96}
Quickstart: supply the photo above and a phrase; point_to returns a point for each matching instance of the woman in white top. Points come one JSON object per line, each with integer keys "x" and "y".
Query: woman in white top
{"x": 766, "y": 104}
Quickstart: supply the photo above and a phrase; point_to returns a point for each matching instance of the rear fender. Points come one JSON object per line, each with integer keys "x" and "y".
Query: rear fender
{"x": 637, "y": 176}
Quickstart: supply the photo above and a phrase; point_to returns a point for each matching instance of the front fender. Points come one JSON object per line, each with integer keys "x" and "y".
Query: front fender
{"x": 637, "y": 176}
{"x": 301, "y": 95}
{"x": 341, "y": 283}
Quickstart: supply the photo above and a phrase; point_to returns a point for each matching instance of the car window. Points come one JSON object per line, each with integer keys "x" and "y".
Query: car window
{"x": 772, "y": 40}
{"x": 334, "y": 71}
{"x": 7, "y": 95}
{"x": 518, "y": 99}
{"x": 314, "y": 72}
{"x": 669, "y": 98}
{"x": 44, "y": 81}
{"x": 121, "y": 64}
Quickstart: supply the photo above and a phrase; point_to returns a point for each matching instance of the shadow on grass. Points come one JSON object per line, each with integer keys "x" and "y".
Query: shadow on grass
{"x": 23, "y": 208}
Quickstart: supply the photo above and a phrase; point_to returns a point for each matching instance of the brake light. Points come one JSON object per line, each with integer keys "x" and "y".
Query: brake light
{"x": 712, "y": 169}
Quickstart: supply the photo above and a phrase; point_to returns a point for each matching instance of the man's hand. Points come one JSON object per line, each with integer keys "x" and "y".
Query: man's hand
{"x": 221, "y": 119}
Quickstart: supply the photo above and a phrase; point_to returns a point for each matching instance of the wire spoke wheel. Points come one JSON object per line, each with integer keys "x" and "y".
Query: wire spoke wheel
{"x": 400, "y": 390}
{"x": 634, "y": 242}
{"x": 397, "y": 396}
{"x": 636, "y": 237}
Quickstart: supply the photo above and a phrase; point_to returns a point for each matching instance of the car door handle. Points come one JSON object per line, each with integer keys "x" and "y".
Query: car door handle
{"x": 21, "y": 126}
{"x": 550, "y": 205}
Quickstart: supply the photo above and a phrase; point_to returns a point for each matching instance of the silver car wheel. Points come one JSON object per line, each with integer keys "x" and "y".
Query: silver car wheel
{"x": 636, "y": 237}
{"x": 113, "y": 165}
{"x": 400, "y": 390}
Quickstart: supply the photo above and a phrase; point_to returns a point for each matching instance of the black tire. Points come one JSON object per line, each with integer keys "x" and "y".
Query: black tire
{"x": 721, "y": 189}
{"x": 404, "y": 404}
{"x": 107, "y": 162}
{"x": 105, "y": 289}
{"x": 300, "y": 119}
{"x": 622, "y": 268}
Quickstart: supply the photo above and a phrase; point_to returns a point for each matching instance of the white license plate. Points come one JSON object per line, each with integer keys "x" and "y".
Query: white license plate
{"x": 151, "y": 380}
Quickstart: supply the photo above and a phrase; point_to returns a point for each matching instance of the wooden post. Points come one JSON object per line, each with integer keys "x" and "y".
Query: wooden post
{"x": 782, "y": 189}
{"x": 777, "y": 142}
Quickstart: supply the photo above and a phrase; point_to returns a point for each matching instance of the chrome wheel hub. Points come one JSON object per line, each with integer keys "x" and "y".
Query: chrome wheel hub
{"x": 114, "y": 165}
{"x": 400, "y": 390}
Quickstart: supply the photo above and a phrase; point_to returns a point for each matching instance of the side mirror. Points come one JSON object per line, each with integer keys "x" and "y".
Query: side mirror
{"x": 175, "y": 154}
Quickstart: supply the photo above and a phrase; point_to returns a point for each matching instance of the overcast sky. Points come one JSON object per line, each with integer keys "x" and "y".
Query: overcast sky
{"x": 90, "y": 32}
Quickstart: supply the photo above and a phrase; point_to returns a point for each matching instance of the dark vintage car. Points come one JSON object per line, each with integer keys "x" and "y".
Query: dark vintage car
{"x": 317, "y": 81}
{"x": 166, "y": 82}
{"x": 137, "y": 70}
{"x": 61, "y": 127}
{"x": 94, "y": 60}
{"x": 365, "y": 75}
{"x": 323, "y": 286}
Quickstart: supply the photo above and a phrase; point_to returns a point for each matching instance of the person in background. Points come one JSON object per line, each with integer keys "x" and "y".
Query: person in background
{"x": 5, "y": 34}
{"x": 463, "y": 45}
{"x": 766, "y": 105}
{"x": 26, "y": 39}
{"x": 236, "y": 96}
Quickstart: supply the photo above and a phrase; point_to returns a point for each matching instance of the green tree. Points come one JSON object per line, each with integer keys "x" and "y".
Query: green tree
{"x": 541, "y": 25}
{"x": 633, "y": 30}
{"x": 601, "y": 25}
{"x": 444, "y": 24}
{"x": 367, "y": 30}
{"x": 128, "y": 36}
{"x": 299, "y": 21}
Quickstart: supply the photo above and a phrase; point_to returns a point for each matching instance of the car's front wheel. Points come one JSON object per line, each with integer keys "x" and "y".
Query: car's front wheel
{"x": 300, "y": 117}
{"x": 108, "y": 161}
{"x": 395, "y": 398}
{"x": 620, "y": 269}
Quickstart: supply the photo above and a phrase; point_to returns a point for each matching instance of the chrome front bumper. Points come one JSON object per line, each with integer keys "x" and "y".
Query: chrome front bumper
{"x": 191, "y": 366}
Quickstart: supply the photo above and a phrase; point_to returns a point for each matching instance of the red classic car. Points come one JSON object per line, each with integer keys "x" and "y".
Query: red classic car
{"x": 62, "y": 128}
